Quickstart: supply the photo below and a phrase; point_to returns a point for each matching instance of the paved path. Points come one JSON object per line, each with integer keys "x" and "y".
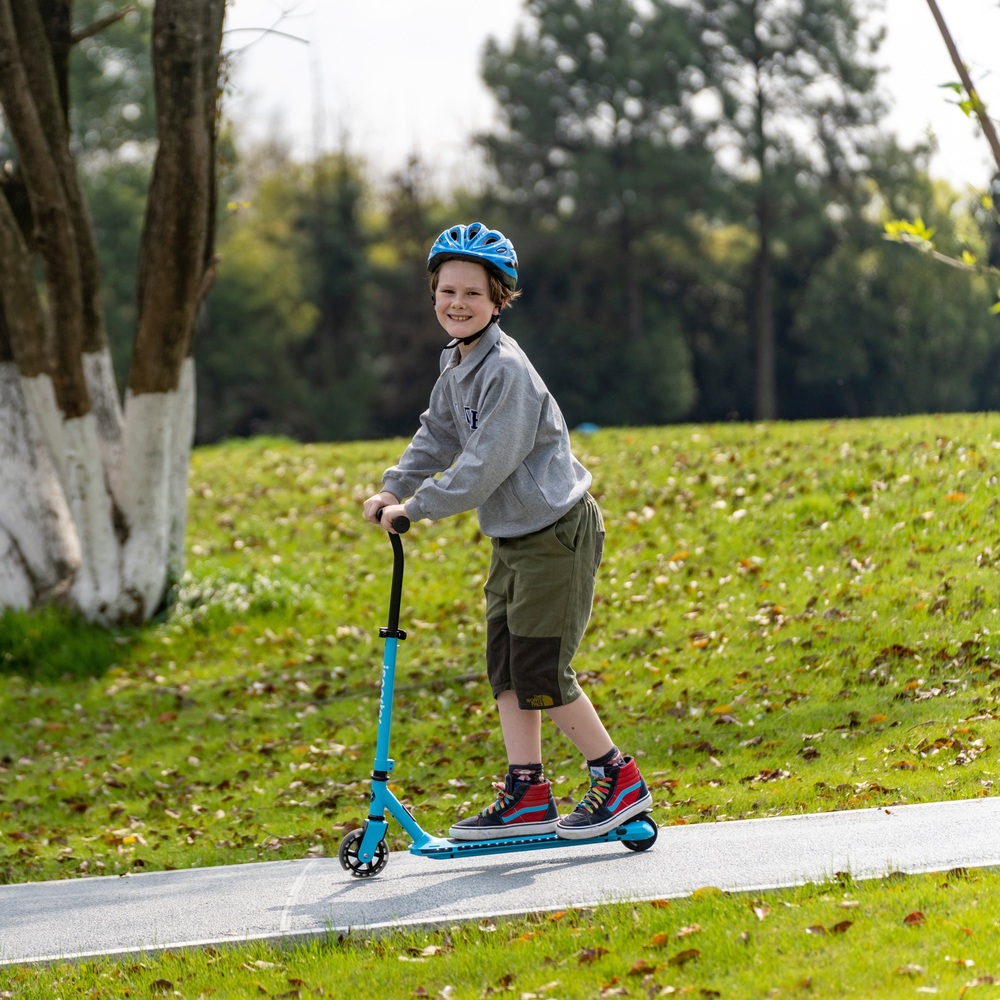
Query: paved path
{"x": 105, "y": 915}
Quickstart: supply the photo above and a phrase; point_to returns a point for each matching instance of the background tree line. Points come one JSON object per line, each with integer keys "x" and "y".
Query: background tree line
{"x": 697, "y": 194}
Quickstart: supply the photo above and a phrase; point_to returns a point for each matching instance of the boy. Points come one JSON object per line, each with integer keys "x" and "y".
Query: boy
{"x": 493, "y": 439}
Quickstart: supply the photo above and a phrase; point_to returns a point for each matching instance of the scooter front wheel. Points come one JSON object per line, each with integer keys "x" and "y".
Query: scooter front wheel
{"x": 350, "y": 858}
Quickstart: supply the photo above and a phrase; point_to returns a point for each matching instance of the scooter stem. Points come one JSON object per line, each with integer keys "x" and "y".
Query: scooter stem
{"x": 393, "y": 635}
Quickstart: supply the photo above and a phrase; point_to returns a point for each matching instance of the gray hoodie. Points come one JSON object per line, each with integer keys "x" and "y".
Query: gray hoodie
{"x": 499, "y": 441}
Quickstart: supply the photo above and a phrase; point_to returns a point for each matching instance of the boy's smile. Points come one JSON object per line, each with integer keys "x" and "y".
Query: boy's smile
{"x": 462, "y": 300}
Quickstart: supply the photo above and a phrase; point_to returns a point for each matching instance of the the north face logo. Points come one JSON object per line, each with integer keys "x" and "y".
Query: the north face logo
{"x": 539, "y": 701}
{"x": 472, "y": 417}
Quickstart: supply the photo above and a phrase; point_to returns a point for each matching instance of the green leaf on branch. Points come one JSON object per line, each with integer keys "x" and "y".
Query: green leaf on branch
{"x": 905, "y": 231}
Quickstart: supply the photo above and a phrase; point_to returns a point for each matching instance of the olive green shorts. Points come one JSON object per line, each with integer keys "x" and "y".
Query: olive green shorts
{"x": 539, "y": 595}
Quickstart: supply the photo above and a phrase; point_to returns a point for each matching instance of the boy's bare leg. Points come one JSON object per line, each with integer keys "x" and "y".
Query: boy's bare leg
{"x": 582, "y": 725}
{"x": 522, "y": 730}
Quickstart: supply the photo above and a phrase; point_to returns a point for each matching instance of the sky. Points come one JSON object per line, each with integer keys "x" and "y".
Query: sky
{"x": 370, "y": 75}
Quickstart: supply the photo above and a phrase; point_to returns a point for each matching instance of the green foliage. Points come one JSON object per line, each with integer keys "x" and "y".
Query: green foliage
{"x": 113, "y": 111}
{"x": 53, "y": 645}
{"x": 944, "y": 337}
{"x": 288, "y": 333}
{"x": 409, "y": 340}
{"x": 600, "y": 157}
{"x": 256, "y": 314}
{"x": 116, "y": 193}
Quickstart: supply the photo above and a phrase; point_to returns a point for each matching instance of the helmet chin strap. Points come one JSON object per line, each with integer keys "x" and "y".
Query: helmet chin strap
{"x": 471, "y": 339}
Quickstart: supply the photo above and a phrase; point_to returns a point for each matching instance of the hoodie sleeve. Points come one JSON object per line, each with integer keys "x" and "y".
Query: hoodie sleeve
{"x": 432, "y": 450}
{"x": 509, "y": 407}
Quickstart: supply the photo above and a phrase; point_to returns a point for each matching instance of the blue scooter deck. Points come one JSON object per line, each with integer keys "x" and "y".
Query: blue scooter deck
{"x": 636, "y": 831}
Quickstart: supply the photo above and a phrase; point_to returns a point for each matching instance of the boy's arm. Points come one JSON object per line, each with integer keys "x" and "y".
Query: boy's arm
{"x": 431, "y": 451}
{"x": 508, "y": 417}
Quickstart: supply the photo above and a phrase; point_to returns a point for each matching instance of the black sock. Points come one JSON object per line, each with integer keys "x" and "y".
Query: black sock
{"x": 613, "y": 758}
{"x": 531, "y": 773}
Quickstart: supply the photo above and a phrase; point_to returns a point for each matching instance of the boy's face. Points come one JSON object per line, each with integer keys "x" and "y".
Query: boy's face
{"x": 462, "y": 300}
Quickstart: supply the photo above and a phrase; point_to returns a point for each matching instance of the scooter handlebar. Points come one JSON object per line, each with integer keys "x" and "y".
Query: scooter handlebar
{"x": 400, "y": 524}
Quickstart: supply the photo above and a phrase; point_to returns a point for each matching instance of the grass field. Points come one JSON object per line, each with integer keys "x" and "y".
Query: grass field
{"x": 790, "y": 618}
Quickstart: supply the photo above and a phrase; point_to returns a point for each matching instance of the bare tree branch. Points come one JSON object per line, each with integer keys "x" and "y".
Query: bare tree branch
{"x": 984, "y": 120}
{"x": 105, "y": 22}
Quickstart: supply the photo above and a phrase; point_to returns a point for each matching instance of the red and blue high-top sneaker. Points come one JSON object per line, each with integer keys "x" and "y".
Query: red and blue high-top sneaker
{"x": 521, "y": 809}
{"x": 617, "y": 794}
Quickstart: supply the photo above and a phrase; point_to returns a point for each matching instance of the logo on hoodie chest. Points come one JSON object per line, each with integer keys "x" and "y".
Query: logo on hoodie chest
{"x": 472, "y": 417}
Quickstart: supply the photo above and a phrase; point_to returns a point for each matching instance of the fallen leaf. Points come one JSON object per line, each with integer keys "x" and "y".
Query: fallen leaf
{"x": 642, "y": 968}
{"x": 841, "y": 927}
{"x": 818, "y": 929}
{"x": 434, "y": 949}
{"x": 660, "y": 904}
{"x": 911, "y": 970}
{"x": 683, "y": 957}
{"x": 761, "y": 910}
{"x": 588, "y": 955}
{"x": 914, "y": 919}
{"x": 688, "y": 931}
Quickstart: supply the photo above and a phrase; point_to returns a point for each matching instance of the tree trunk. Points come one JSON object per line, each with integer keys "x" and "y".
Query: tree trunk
{"x": 762, "y": 323}
{"x": 762, "y": 293}
{"x": 93, "y": 499}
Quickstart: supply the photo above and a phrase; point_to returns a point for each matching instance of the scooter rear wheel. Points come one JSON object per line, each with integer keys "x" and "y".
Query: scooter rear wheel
{"x": 643, "y": 845}
{"x": 350, "y": 858}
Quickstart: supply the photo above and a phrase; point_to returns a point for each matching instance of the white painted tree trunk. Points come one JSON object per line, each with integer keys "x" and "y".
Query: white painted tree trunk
{"x": 93, "y": 508}
{"x": 39, "y": 548}
{"x": 93, "y": 498}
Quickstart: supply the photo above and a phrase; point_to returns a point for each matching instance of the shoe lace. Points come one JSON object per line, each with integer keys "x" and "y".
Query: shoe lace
{"x": 504, "y": 798}
{"x": 597, "y": 794}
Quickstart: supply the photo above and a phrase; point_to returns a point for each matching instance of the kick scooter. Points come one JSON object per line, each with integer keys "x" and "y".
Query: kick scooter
{"x": 363, "y": 852}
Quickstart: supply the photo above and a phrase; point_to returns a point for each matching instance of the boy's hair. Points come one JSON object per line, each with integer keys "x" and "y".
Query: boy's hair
{"x": 500, "y": 294}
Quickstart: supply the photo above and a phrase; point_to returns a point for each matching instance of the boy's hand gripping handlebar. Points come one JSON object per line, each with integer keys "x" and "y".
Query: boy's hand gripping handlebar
{"x": 399, "y": 524}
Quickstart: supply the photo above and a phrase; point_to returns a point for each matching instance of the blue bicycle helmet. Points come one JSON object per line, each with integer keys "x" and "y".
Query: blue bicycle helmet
{"x": 476, "y": 243}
